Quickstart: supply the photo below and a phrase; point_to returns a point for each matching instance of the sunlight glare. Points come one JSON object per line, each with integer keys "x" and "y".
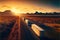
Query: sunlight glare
{"x": 15, "y": 11}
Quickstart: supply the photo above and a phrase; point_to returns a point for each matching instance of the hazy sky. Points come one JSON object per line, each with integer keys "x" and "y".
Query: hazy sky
{"x": 24, "y": 6}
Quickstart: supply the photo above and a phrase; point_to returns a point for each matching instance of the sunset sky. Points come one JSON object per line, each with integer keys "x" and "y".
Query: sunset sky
{"x": 30, "y": 6}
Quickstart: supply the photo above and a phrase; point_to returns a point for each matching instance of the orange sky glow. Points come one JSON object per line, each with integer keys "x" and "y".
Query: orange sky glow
{"x": 25, "y": 7}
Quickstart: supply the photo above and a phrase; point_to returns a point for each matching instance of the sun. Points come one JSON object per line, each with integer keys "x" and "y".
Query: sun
{"x": 15, "y": 11}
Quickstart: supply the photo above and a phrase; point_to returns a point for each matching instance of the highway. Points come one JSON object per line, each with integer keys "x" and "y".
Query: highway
{"x": 48, "y": 33}
{"x": 17, "y": 29}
